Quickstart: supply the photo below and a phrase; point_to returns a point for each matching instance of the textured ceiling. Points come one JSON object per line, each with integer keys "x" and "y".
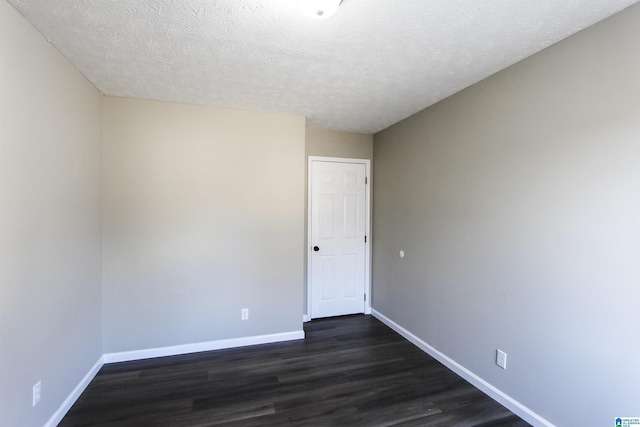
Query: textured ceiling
{"x": 372, "y": 64}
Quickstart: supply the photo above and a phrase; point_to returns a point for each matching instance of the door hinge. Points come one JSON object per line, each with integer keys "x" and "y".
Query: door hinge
{"x": 365, "y": 239}
{"x": 365, "y": 297}
{"x": 365, "y": 180}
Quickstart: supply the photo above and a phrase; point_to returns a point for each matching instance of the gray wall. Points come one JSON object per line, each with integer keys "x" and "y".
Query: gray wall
{"x": 203, "y": 216}
{"x": 50, "y": 168}
{"x": 328, "y": 143}
{"x": 517, "y": 202}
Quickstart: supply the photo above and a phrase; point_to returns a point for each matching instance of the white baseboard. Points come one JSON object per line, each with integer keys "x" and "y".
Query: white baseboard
{"x": 127, "y": 356}
{"x": 504, "y": 399}
{"x": 75, "y": 394}
{"x": 160, "y": 352}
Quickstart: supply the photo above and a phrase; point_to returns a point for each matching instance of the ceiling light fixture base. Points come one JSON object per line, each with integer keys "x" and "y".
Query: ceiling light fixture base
{"x": 319, "y": 9}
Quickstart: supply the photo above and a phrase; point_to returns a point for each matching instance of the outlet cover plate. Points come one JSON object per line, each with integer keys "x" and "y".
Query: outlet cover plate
{"x": 37, "y": 392}
{"x": 501, "y": 359}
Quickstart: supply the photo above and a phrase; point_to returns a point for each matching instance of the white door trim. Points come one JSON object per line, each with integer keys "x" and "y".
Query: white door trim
{"x": 367, "y": 248}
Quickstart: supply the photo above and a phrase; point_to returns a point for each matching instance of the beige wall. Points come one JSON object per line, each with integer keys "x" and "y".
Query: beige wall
{"x": 517, "y": 204}
{"x": 328, "y": 143}
{"x": 203, "y": 216}
{"x": 50, "y": 168}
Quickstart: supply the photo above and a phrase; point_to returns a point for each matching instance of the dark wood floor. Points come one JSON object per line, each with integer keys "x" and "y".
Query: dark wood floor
{"x": 348, "y": 371}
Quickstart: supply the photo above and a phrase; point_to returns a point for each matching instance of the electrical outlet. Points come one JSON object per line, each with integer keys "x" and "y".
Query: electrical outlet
{"x": 244, "y": 315}
{"x": 37, "y": 392}
{"x": 501, "y": 359}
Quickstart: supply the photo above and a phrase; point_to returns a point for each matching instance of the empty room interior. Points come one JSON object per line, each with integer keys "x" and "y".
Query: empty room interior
{"x": 162, "y": 168}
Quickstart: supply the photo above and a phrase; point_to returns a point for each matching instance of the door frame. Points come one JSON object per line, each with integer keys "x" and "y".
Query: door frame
{"x": 367, "y": 246}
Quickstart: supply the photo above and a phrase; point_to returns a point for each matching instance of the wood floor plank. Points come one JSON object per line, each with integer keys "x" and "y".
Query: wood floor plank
{"x": 351, "y": 370}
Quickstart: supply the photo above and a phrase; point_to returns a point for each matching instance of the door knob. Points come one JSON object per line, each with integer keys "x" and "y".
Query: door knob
{"x": 316, "y": 249}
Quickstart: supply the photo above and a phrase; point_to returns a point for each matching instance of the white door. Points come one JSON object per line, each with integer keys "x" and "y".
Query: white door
{"x": 337, "y": 238}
